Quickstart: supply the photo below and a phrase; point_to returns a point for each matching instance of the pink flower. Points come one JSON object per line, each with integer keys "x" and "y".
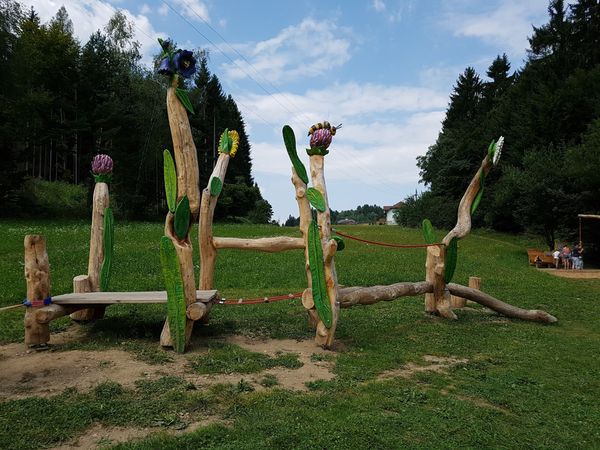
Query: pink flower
{"x": 102, "y": 164}
{"x": 320, "y": 138}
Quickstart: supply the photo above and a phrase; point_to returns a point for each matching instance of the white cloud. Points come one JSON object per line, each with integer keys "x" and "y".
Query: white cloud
{"x": 308, "y": 49}
{"x": 88, "y": 16}
{"x": 163, "y": 9}
{"x": 342, "y": 102}
{"x": 506, "y": 27}
{"x": 145, "y": 9}
{"x": 193, "y": 9}
{"x": 378, "y": 5}
{"x": 373, "y": 153}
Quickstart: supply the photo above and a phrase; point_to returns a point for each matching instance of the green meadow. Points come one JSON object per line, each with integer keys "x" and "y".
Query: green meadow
{"x": 521, "y": 385}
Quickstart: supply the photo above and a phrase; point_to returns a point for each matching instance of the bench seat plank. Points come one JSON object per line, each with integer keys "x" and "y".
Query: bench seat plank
{"x": 111, "y": 298}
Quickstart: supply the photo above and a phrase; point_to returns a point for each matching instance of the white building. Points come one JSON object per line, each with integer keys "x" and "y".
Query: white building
{"x": 389, "y": 213}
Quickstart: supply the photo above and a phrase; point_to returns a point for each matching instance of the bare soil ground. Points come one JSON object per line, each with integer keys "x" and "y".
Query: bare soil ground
{"x": 578, "y": 274}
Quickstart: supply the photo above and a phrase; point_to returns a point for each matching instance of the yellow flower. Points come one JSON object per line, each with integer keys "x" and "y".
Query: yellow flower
{"x": 235, "y": 138}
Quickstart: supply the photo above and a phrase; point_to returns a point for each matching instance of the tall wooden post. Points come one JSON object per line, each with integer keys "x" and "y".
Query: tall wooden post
{"x": 187, "y": 185}
{"x": 325, "y": 336}
{"x": 439, "y": 301}
{"x": 37, "y": 275}
{"x": 101, "y": 201}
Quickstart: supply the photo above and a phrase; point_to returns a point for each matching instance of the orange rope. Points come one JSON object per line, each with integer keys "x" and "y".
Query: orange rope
{"x": 384, "y": 244}
{"x": 257, "y": 300}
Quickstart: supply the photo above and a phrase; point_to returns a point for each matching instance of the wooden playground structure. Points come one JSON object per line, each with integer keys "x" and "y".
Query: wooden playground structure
{"x": 188, "y": 301}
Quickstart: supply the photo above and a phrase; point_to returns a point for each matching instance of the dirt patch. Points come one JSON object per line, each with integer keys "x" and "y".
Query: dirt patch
{"x": 438, "y": 364}
{"x": 25, "y": 373}
{"x": 577, "y": 274}
{"x": 100, "y": 436}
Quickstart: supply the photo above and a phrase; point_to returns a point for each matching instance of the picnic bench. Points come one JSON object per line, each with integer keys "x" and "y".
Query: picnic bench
{"x": 539, "y": 258}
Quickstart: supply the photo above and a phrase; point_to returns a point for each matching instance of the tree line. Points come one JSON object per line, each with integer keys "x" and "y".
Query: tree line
{"x": 65, "y": 101}
{"x": 549, "y": 113}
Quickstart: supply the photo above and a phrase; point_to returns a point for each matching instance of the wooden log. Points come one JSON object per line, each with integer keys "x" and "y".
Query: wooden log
{"x": 184, "y": 251}
{"x": 305, "y": 218}
{"x": 463, "y": 221}
{"x": 81, "y": 284}
{"x": 188, "y": 177}
{"x": 459, "y": 302}
{"x": 101, "y": 201}
{"x": 325, "y": 336}
{"x": 48, "y": 313}
{"x": 269, "y": 245}
{"x": 357, "y": 295}
{"x": 196, "y": 310}
{"x": 208, "y": 252}
{"x": 37, "y": 276}
{"x": 499, "y": 306}
{"x": 115, "y": 298}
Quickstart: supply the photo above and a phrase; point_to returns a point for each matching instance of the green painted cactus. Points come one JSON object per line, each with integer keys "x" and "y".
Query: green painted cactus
{"x": 290, "y": 144}
{"x": 451, "y": 259}
{"x": 341, "y": 245}
{"x": 428, "y": 232}
{"x": 108, "y": 247}
{"x": 316, "y": 199}
{"x": 170, "y": 176}
{"x": 181, "y": 222}
{"x": 182, "y": 95}
{"x": 216, "y": 186}
{"x": 477, "y": 199}
{"x": 176, "y": 305}
{"x": 317, "y": 272}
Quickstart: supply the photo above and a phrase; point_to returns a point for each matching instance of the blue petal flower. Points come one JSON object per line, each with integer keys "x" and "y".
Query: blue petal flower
{"x": 185, "y": 63}
{"x": 166, "y": 67}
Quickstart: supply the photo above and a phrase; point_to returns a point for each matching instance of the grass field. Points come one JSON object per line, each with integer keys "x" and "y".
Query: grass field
{"x": 517, "y": 385}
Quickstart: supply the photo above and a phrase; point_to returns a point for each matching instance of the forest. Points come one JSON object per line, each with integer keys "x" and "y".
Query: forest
{"x": 549, "y": 113}
{"x": 65, "y": 101}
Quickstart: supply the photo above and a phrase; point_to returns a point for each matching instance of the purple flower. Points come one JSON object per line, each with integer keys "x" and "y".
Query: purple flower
{"x": 320, "y": 138}
{"x": 185, "y": 63}
{"x": 166, "y": 66}
{"x": 102, "y": 165}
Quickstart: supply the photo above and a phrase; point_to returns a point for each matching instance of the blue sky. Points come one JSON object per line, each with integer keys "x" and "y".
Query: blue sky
{"x": 383, "y": 68}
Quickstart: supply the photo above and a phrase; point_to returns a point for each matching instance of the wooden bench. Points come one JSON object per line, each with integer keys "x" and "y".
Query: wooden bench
{"x": 539, "y": 258}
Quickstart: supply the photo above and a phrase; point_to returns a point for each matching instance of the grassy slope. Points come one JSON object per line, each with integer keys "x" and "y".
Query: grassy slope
{"x": 542, "y": 379}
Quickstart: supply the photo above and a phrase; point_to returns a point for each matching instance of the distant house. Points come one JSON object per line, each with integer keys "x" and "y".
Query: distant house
{"x": 389, "y": 212}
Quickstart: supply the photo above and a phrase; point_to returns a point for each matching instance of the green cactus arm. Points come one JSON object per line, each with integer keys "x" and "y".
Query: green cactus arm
{"x": 108, "y": 246}
{"x": 317, "y": 272}
{"x": 176, "y": 305}
{"x": 170, "y": 176}
{"x": 290, "y": 144}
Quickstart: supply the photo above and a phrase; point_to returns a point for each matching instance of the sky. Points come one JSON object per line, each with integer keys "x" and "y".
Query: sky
{"x": 382, "y": 68}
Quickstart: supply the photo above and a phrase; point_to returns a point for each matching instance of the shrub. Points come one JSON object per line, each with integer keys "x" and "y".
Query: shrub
{"x": 54, "y": 199}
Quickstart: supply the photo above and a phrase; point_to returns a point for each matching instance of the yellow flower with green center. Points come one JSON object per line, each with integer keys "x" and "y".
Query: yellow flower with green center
{"x": 235, "y": 138}
{"x": 228, "y": 144}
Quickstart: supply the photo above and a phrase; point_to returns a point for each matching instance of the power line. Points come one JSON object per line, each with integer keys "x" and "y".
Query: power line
{"x": 226, "y": 55}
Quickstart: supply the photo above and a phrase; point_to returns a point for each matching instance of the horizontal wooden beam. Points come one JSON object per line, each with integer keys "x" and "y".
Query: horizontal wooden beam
{"x": 110, "y": 298}
{"x": 271, "y": 244}
{"x": 358, "y": 295}
{"x": 589, "y": 216}
{"x": 499, "y": 306}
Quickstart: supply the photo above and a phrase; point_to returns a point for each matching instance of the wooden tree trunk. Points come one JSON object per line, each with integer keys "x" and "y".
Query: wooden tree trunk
{"x": 186, "y": 157}
{"x": 101, "y": 201}
{"x": 499, "y": 306}
{"x": 186, "y": 266}
{"x": 208, "y": 252}
{"x": 188, "y": 184}
{"x": 459, "y": 302}
{"x": 37, "y": 276}
{"x": 439, "y": 301}
{"x": 324, "y": 335}
{"x": 305, "y": 218}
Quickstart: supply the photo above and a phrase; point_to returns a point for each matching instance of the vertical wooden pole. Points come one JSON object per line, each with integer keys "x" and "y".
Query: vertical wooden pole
{"x": 459, "y": 302}
{"x": 37, "y": 276}
{"x": 305, "y": 218}
{"x": 188, "y": 184}
{"x": 101, "y": 201}
{"x": 324, "y": 335}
